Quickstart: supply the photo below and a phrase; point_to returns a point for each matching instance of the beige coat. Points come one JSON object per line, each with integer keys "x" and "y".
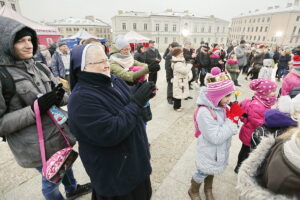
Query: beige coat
{"x": 181, "y": 72}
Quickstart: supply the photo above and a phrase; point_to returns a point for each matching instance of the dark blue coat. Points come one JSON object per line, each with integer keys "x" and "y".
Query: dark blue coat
{"x": 113, "y": 144}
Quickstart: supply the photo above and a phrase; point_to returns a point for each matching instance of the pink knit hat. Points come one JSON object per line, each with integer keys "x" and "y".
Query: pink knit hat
{"x": 135, "y": 69}
{"x": 262, "y": 87}
{"x": 219, "y": 85}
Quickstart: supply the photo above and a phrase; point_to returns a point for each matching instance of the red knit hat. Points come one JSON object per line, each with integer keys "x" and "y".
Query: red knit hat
{"x": 296, "y": 61}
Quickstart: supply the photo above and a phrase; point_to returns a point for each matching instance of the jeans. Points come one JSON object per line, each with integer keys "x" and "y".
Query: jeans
{"x": 281, "y": 72}
{"x": 51, "y": 190}
{"x": 199, "y": 176}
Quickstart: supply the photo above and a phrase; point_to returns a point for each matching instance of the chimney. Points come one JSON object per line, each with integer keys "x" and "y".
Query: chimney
{"x": 120, "y": 12}
{"x": 169, "y": 10}
{"x": 296, "y": 3}
{"x": 288, "y": 5}
{"x": 270, "y": 8}
{"x": 186, "y": 11}
{"x": 249, "y": 11}
{"x": 276, "y": 7}
{"x": 92, "y": 18}
{"x": 256, "y": 10}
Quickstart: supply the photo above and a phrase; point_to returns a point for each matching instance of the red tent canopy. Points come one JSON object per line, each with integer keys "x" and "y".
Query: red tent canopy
{"x": 46, "y": 34}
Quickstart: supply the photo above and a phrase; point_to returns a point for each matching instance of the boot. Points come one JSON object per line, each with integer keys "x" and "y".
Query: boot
{"x": 208, "y": 181}
{"x": 194, "y": 190}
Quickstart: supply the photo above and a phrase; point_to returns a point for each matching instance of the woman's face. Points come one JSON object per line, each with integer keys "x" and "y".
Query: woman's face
{"x": 125, "y": 50}
{"x": 225, "y": 100}
{"x": 143, "y": 50}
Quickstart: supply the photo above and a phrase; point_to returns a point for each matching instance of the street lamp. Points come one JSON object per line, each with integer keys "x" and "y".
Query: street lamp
{"x": 185, "y": 33}
{"x": 278, "y": 35}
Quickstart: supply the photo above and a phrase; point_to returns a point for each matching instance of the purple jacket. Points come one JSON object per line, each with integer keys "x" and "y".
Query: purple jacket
{"x": 255, "y": 111}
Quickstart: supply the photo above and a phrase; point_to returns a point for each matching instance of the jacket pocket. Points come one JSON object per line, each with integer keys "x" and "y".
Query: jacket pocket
{"x": 124, "y": 159}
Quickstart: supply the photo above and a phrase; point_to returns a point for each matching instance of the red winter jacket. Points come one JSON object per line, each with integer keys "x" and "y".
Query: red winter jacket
{"x": 255, "y": 111}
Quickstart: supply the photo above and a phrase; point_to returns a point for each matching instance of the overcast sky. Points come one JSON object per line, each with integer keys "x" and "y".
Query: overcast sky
{"x": 49, "y": 10}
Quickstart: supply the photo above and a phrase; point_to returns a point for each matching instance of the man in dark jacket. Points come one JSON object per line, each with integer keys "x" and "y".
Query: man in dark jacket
{"x": 17, "y": 118}
{"x": 152, "y": 56}
{"x": 60, "y": 63}
{"x": 169, "y": 72}
{"x": 204, "y": 61}
{"x": 106, "y": 118}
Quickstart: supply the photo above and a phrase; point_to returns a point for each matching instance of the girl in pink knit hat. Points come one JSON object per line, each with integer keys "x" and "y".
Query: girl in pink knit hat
{"x": 263, "y": 99}
{"x": 217, "y": 124}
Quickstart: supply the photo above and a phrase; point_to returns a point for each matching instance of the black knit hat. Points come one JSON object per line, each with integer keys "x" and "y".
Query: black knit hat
{"x": 22, "y": 33}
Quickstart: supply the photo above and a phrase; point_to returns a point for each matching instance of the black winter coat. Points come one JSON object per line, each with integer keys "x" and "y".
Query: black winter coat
{"x": 113, "y": 144}
{"x": 152, "y": 55}
{"x": 169, "y": 70}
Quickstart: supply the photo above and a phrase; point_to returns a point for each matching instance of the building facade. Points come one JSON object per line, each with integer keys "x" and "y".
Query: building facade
{"x": 169, "y": 26}
{"x": 70, "y": 26}
{"x": 274, "y": 26}
{"x": 13, "y": 3}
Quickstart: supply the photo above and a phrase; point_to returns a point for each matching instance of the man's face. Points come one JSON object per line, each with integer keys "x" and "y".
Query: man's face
{"x": 151, "y": 44}
{"x": 24, "y": 48}
{"x": 64, "y": 49}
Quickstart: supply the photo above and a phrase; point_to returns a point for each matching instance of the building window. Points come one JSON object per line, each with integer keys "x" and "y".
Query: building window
{"x": 166, "y": 40}
{"x": 134, "y": 26}
{"x": 252, "y": 29}
{"x": 174, "y": 39}
{"x": 268, "y": 20}
{"x": 250, "y": 37}
{"x": 264, "y": 38}
{"x": 249, "y": 20}
{"x": 209, "y": 29}
{"x": 299, "y": 31}
{"x": 195, "y": 40}
{"x": 222, "y": 39}
{"x": 157, "y": 40}
{"x": 217, "y": 40}
{"x": 258, "y": 39}
{"x": 174, "y": 27}
{"x": 258, "y": 20}
{"x": 208, "y": 39}
{"x": 253, "y": 20}
{"x": 261, "y": 29}
{"x": 2, "y": 3}
{"x": 291, "y": 40}
{"x": 13, "y": 6}
{"x": 266, "y": 29}
{"x": 202, "y": 29}
{"x": 157, "y": 27}
{"x": 256, "y": 29}
{"x": 218, "y": 28}
{"x": 223, "y": 29}
{"x": 145, "y": 27}
{"x": 248, "y": 29}
{"x": 195, "y": 29}
{"x": 263, "y": 20}
{"x": 123, "y": 26}
{"x": 254, "y": 38}
{"x": 298, "y": 17}
{"x": 166, "y": 28}
{"x": 294, "y": 30}
{"x": 244, "y": 29}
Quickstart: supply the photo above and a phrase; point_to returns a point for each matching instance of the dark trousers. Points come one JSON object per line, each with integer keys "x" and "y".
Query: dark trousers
{"x": 243, "y": 155}
{"x": 153, "y": 77}
{"x": 203, "y": 71}
{"x": 194, "y": 75}
{"x": 177, "y": 103}
{"x": 170, "y": 90}
{"x": 143, "y": 191}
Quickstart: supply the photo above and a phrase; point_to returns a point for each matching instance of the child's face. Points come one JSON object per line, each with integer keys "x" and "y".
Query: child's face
{"x": 225, "y": 100}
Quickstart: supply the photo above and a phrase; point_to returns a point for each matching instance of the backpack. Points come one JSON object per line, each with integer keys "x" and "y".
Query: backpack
{"x": 197, "y": 130}
{"x": 8, "y": 84}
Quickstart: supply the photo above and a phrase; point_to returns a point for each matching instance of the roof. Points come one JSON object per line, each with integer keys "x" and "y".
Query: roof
{"x": 78, "y": 22}
{"x": 271, "y": 10}
{"x": 41, "y": 29}
{"x": 168, "y": 13}
{"x": 82, "y": 34}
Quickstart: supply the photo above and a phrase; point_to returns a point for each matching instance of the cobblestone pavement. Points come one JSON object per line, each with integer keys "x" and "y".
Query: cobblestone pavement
{"x": 173, "y": 150}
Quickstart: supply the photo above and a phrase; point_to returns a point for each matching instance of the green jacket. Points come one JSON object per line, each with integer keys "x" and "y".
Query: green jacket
{"x": 128, "y": 76}
{"x": 231, "y": 68}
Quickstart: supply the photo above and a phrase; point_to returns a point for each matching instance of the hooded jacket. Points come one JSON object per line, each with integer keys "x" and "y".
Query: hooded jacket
{"x": 128, "y": 76}
{"x": 290, "y": 81}
{"x": 57, "y": 64}
{"x": 277, "y": 177}
{"x": 215, "y": 139}
{"x": 18, "y": 123}
{"x": 113, "y": 144}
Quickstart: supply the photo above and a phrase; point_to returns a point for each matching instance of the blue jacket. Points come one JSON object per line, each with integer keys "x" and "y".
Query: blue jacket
{"x": 57, "y": 66}
{"x": 113, "y": 144}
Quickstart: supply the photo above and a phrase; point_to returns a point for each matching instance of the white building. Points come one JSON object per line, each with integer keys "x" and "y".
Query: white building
{"x": 13, "y": 3}
{"x": 69, "y": 26}
{"x": 274, "y": 25}
{"x": 169, "y": 26}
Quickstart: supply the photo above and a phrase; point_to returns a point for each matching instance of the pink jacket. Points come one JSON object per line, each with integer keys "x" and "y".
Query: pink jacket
{"x": 290, "y": 81}
{"x": 255, "y": 111}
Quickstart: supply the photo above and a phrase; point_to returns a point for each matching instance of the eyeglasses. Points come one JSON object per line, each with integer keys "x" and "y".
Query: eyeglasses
{"x": 100, "y": 62}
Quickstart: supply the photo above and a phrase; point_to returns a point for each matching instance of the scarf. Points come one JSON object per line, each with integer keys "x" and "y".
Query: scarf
{"x": 125, "y": 61}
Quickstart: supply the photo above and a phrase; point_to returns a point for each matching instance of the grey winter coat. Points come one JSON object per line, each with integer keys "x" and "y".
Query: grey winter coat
{"x": 215, "y": 139}
{"x": 248, "y": 185}
{"x": 57, "y": 65}
{"x": 18, "y": 123}
{"x": 241, "y": 55}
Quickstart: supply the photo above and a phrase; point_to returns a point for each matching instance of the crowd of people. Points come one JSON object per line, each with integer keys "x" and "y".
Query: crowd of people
{"x": 108, "y": 98}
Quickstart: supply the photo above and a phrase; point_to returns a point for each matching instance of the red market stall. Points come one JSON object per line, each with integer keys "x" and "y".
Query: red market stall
{"x": 134, "y": 39}
{"x": 46, "y": 34}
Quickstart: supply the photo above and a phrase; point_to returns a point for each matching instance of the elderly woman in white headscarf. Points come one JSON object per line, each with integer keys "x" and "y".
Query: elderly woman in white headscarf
{"x": 121, "y": 60}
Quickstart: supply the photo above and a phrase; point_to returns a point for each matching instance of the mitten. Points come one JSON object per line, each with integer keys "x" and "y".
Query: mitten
{"x": 235, "y": 113}
{"x": 46, "y": 101}
{"x": 60, "y": 92}
{"x": 144, "y": 93}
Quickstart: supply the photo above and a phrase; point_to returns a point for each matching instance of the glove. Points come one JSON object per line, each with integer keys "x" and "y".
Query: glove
{"x": 46, "y": 101}
{"x": 154, "y": 67}
{"x": 60, "y": 92}
{"x": 235, "y": 112}
{"x": 144, "y": 93}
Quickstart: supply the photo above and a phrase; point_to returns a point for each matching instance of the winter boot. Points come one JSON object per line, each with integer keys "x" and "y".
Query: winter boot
{"x": 208, "y": 181}
{"x": 194, "y": 190}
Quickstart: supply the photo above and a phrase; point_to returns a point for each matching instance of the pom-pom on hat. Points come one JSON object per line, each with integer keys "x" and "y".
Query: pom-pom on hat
{"x": 219, "y": 85}
{"x": 296, "y": 62}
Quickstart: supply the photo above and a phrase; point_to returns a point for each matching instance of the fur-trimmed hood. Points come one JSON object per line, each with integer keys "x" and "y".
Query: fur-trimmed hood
{"x": 247, "y": 184}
